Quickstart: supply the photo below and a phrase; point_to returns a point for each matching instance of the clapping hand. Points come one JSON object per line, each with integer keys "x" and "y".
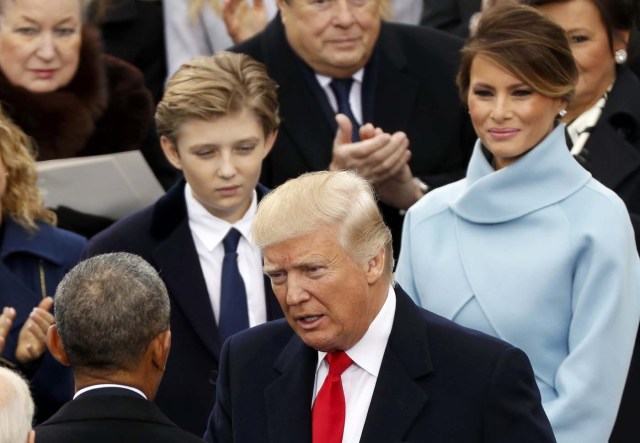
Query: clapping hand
{"x": 32, "y": 338}
{"x": 376, "y": 157}
{"x": 381, "y": 158}
{"x": 6, "y": 320}
{"x": 243, "y": 21}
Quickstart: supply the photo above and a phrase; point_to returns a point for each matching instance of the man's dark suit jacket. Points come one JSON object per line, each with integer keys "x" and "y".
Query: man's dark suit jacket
{"x": 409, "y": 85}
{"x": 613, "y": 157}
{"x": 438, "y": 383}
{"x": 111, "y": 415}
{"x": 449, "y": 15}
{"x": 161, "y": 235}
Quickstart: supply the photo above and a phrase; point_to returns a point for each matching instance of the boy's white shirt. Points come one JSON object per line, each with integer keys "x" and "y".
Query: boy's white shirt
{"x": 208, "y": 232}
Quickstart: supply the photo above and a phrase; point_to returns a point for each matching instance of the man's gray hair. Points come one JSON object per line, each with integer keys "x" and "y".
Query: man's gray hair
{"x": 339, "y": 200}
{"x": 108, "y": 309}
{"x": 16, "y": 407}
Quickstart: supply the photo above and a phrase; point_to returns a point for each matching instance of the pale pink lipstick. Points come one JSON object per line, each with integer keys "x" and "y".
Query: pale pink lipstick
{"x": 44, "y": 74}
{"x": 501, "y": 134}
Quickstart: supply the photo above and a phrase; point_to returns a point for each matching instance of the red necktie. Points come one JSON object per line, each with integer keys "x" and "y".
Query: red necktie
{"x": 329, "y": 407}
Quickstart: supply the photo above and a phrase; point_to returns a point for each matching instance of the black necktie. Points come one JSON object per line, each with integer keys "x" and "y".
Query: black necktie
{"x": 234, "y": 316}
{"x": 341, "y": 88}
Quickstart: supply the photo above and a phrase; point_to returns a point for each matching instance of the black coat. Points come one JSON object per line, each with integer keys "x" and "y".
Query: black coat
{"x": 613, "y": 156}
{"x": 111, "y": 415}
{"x": 161, "y": 235}
{"x": 409, "y": 85}
{"x": 449, "y": 15}
{"x": 438, "y": 383}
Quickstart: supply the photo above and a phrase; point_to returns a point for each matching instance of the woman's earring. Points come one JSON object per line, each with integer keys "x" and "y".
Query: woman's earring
{"x": 620, "y": 56}
{"x": 562, "y": 113}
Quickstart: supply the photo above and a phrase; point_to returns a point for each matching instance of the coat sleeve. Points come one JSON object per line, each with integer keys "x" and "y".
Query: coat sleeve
{"x": 219, "y": 427}
{"x": 605, "y": 313}
{"x": 513, "y": 411}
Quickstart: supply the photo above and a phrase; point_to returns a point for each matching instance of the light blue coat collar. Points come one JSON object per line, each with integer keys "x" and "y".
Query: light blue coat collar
{"x": 547, "y": 174}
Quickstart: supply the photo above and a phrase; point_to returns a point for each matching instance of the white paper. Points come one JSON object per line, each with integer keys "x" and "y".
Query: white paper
{"x": 112, "y": 185}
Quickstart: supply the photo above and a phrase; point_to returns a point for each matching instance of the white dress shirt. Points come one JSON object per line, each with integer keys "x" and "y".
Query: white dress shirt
{"x": 109, "y": 385}
{"x": 208, "y": 232}
{"x": 359, "y": 380}
{"x": 355, "y": 95}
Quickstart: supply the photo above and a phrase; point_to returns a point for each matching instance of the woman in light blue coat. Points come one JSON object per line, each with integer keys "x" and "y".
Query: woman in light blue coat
{"x": 529, "y": 247}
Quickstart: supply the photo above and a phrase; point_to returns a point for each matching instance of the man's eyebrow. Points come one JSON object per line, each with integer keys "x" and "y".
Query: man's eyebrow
{"x": 266, "y": 269}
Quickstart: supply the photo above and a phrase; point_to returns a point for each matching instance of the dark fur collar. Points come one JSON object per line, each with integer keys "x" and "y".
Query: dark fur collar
{"x": 62, "y": 121}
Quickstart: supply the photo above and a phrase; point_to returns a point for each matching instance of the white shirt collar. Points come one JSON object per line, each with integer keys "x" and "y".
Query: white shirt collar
{"x": 369, "y": 351}
{"x": 324, "y": 80}
{"x": 210, "y": 229}
{"x": 109, "y": 385}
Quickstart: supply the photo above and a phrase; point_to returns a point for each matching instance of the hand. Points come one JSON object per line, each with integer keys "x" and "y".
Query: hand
{"x": 32, "y": 338}
{"x": 400, "y": 191}
{"x": 243, "y": 21}
{"x": 6, "y": 320}
{"x": 376, "y": 157}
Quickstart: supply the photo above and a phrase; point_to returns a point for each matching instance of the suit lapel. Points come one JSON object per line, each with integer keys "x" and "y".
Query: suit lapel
{"x": 177, "y": 259}
{"x": 613, "y": 153}
{"x": 391, "y": 70}
{"x": 288, "y": 398}
{"x": 398, "y": 398}
{"x": 611, "y": 158}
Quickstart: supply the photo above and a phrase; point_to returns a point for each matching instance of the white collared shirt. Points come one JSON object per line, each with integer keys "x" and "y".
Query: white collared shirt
{"x": 109, "y": 385}
{"x": 208, "y": 232}
{"x": 355, "y": 95}
{"x": 359, "y": 380}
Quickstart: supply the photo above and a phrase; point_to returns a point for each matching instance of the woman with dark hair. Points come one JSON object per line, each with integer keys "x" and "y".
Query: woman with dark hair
{"x": 603, "y": 125}
{"x": 603, "y": 117}
{"x": 529, "y": 247}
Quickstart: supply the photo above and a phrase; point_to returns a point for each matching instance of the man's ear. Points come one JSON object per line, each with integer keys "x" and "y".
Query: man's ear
{"x": 160, "y": 347}
{"x": 268, "y": 143}
{"x": 171, "y": 152}
{"x": 32, "y": 437}
{"x": 282, "y": 7}
{"x": 375, "y": 267}
{"x": 54, "y": 343}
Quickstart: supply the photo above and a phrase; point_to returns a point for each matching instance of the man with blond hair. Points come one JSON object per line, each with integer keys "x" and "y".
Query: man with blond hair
{"x": 356, "y": 360}
{"x": 217, "y": 122}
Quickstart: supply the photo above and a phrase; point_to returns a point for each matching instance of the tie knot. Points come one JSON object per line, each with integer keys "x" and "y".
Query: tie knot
{"x": 338, "y": 361}
{"x": 341, "y": 87}
{"x": 231, "y": 240}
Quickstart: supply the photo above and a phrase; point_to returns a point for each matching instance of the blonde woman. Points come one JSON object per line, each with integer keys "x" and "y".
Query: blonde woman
{"x": 34, "y": 256}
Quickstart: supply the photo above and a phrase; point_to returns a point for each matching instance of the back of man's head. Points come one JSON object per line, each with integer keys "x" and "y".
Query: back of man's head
{"x": 16, "y": 407}
{"x": 108, "y": 309}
